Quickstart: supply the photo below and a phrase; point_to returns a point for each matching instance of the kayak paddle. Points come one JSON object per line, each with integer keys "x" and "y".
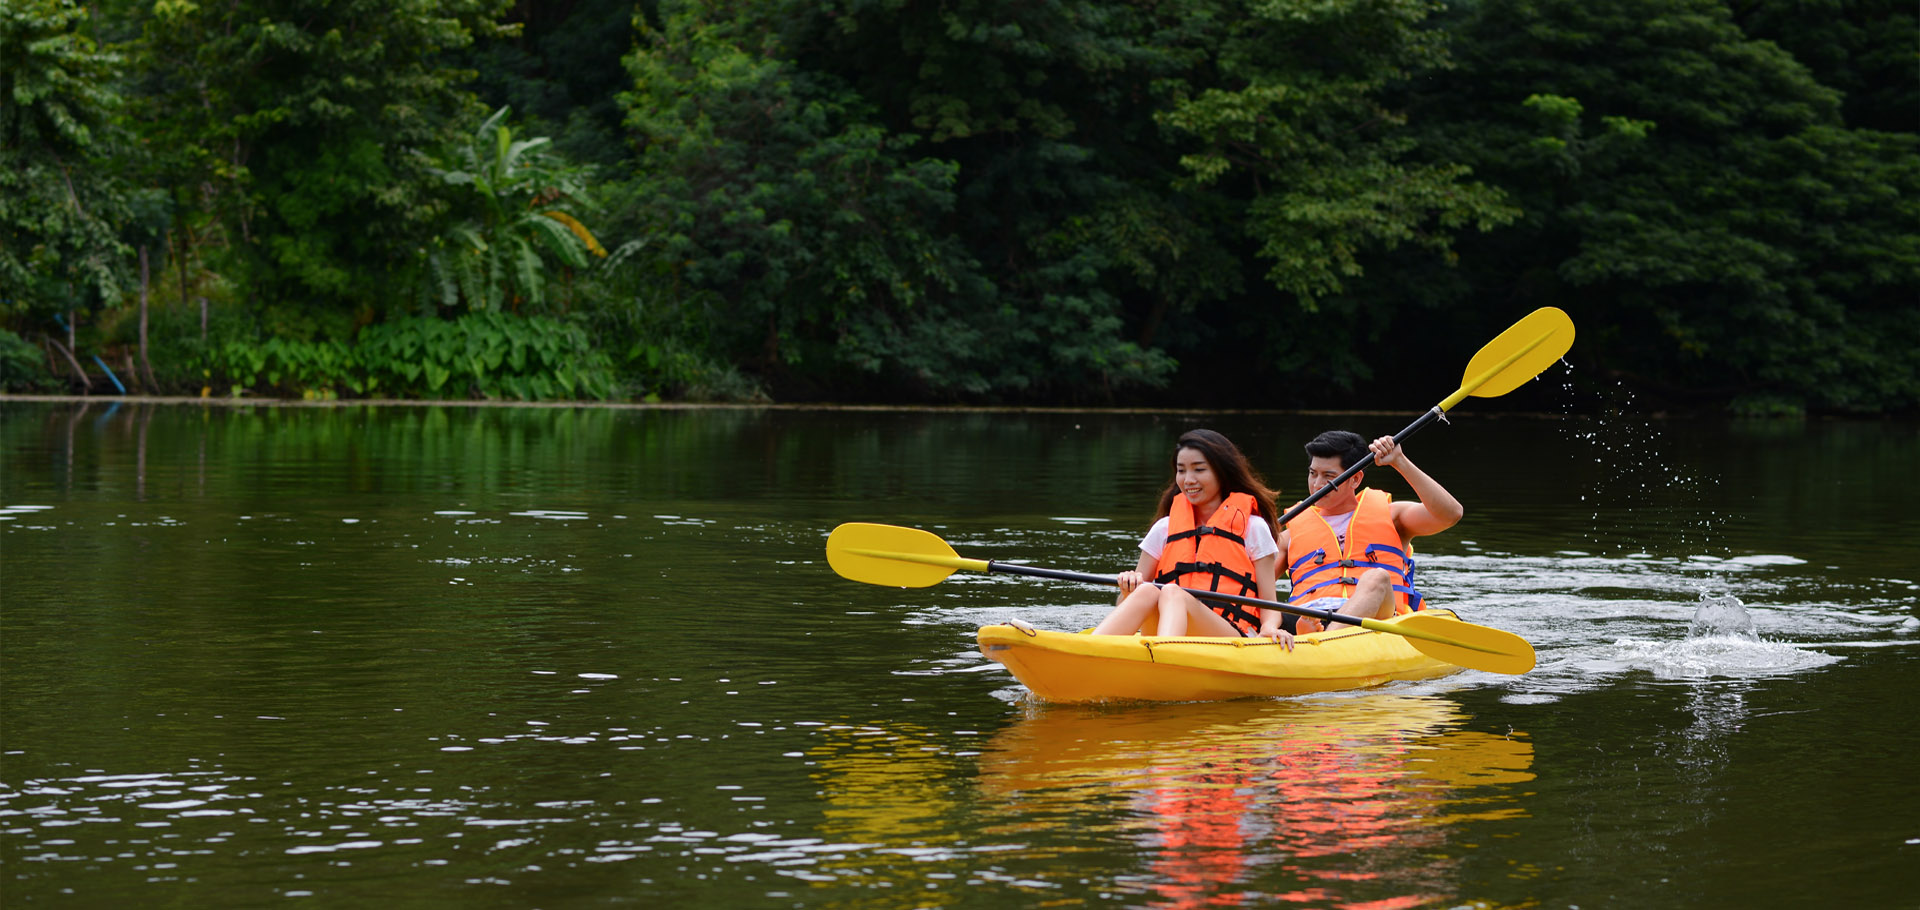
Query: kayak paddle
{"x": 1511, "y": 358}
{"x": 911, "y": 558}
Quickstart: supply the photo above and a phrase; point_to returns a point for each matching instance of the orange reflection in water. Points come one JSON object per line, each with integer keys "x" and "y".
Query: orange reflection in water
{"x": 1347, "y": 801}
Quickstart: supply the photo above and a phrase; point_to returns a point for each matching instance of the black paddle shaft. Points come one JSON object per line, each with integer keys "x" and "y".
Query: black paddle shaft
{"x": 1361, "y": 465}
{"x": 1010, "y": 568}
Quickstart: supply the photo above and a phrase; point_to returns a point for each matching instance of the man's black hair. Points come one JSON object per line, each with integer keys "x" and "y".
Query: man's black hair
{"x": 1348, "y": 446}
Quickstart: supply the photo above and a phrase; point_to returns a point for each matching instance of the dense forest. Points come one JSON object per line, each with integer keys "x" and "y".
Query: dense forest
{"x": 1210, "y": 203}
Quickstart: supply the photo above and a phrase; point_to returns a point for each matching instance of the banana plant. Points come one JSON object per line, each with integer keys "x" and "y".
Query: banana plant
{"x": 517, "y": 227}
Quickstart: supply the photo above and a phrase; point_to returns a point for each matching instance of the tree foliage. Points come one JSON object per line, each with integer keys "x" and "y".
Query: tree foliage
{"x": 1192, "y": 202}
{"x": 61, "y": 198}
{"x": 516, "y": 201}
{"x": 812, "y": 233}
{"x": 1303, "y": 120}
{"x": 1695, "y": 194}
{"x": 305, "y": 125}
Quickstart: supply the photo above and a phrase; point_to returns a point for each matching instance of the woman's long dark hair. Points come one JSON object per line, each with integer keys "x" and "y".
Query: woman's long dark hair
{"x": 1235, "y": 473}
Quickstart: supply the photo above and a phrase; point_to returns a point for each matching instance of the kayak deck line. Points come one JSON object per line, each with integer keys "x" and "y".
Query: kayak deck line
{"x": 1080, "y": 667}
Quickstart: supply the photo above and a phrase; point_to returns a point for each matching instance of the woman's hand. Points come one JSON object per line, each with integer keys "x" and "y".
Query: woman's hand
{"x": 1308, "y": 625}
{"x": 1282, "y": 636}
{"x": 1128, "y": 582}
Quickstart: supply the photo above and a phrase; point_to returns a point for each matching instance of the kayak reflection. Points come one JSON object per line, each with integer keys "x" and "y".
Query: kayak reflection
{"x": 1346, "y": 800}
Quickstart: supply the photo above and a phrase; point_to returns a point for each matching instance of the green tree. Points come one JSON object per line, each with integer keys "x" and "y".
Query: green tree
{"x": 1694, "y": 199}
{"x": 560, "y": 71}
{"x": 61, "y": 199}
{"x": 1862, "y": 48}
{"x": 1299, "y": 116}
{"x": 807, "y": 230}
{"x": 304, "y": 123}
{"x": 1064, "y": 186}
{"x": 1100, "y": 183}
{"x": 515, "y": 200}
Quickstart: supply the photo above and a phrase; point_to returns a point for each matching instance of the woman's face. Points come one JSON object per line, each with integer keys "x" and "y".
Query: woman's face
{"x": 1195, "y": 477}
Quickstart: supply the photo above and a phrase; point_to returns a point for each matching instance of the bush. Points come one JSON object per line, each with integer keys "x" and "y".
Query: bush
{"x": 23, "y": 366}
{"x": 487, "y": 354}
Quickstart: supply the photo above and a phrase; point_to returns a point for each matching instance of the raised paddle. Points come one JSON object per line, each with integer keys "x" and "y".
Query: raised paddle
{"x": 1511, "y": 358}
{"x": 911, "y": 558}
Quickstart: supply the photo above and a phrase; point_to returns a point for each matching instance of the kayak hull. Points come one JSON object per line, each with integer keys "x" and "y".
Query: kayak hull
{"x": 1063, "y": 667}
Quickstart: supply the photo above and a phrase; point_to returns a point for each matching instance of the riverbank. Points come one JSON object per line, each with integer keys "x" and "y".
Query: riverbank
{"x": 707, "y": 406}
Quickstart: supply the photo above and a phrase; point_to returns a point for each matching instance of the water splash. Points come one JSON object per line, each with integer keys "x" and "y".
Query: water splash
{"x": 1721, "y": 642}
{"x": 1723, "y": 615}
{"x": 1627, "y": 462}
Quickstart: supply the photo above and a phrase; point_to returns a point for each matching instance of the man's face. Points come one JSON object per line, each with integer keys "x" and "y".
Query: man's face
{"x": 1321, "y": 470}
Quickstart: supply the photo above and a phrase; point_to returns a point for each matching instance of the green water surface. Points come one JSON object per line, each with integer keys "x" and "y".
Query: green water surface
{"x": 556, "y": 657}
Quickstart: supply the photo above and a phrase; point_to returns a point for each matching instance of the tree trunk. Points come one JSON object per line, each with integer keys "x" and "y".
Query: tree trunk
{"x": 68, "y": 353}
{"x": 145, "y": 363}
{"x": 180, "y": 258}
{"x": 1151, "y": 326}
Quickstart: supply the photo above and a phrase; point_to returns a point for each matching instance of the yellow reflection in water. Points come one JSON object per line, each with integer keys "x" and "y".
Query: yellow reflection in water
{"x": 1346, "y": 801}
{"x": 1343, "y": 802}
{"x": 891, "y": 783}
{"x": 892, "y": 793}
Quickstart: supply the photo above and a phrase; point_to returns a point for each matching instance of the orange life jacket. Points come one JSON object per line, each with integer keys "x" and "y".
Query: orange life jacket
{"x": 1213, "y": 556}
{"x": 1317, "y": 566}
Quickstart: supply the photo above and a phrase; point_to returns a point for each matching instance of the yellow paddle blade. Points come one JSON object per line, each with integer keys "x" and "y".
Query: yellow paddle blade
{"x": 894, "y": 556}
{"x": 1516, "y": 355}
{"x": 1472, "y": 646}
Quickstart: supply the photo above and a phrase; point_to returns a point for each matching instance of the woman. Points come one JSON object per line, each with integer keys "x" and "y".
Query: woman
{"x": 1214, "y": 533}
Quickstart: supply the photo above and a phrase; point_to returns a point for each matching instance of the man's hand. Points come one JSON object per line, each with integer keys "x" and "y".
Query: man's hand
{"x": 1385, "y": 451}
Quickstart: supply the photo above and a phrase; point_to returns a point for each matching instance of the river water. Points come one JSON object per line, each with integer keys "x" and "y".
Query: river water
{"x": 556, "y": 657}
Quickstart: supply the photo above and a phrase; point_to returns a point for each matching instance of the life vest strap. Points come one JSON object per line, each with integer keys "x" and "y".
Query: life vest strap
{"x": 1358, "y": 564}
{"x": 1414, "y": 598}
{"x": 1236, "y": 616}
{"x": 1373, "y": 548}
{"x": 1203, "y": 531}
{"x": 1330, "y": 581}
{"x": 1317, "y": 554}
{"x": 1217, "y": 570}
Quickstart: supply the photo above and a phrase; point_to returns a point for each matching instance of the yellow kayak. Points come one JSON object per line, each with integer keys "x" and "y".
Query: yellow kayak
{"x": 1064, "y": 667}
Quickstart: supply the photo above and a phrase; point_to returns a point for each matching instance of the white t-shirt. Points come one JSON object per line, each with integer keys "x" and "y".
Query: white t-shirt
{"x": 1260, "y": 542}
{"x": 1339, "y": 524}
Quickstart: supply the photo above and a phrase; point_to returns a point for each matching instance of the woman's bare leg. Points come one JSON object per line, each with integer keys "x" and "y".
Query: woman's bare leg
{"x": 1183, "y": 614}
{"x": 1134, "y": 614}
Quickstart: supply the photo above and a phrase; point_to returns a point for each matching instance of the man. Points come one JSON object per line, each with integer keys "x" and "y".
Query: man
{"x": 1356, "y": 544}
